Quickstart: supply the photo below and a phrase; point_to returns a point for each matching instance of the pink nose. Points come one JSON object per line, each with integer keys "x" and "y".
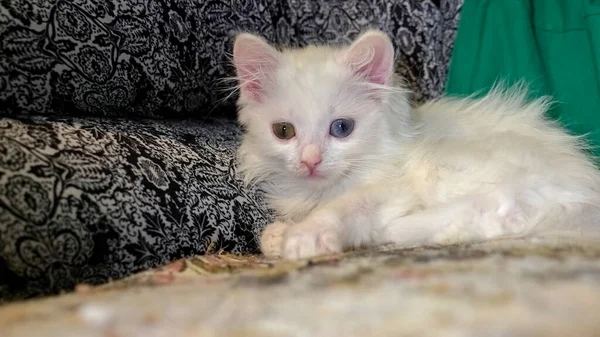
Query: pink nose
{"x": 311, "y": 164}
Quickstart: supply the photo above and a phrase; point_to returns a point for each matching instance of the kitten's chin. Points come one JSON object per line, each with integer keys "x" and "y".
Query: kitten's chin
{"x": 316, "y": 183}
{"x": 312, "y": 178}
{"x": 316, "y": 177}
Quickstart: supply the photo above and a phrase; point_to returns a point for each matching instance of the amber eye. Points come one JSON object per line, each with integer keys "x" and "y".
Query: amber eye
{"x": 284, "y": 130}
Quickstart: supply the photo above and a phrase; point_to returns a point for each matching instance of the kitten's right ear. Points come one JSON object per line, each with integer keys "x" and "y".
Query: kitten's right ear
{"x": 255, "y": 62}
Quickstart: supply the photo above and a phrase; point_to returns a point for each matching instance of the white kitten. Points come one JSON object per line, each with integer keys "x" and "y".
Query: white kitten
{"x": 346, "y": 162}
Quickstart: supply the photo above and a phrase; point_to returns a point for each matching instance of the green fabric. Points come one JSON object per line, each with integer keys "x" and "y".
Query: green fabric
{"x": 554, "y": 45}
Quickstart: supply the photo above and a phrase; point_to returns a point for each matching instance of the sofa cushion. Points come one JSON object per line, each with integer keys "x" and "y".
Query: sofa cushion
{"x": 88, "y": 200}
{"x": 169, "y": 58}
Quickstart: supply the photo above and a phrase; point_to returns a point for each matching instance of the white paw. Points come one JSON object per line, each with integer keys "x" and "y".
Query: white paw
{"x": 302, "y": 241}
{"x": 271, "y": 239}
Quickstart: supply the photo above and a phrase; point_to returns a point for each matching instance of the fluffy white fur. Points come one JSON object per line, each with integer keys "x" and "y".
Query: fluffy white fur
{"x": 452, "y": 170}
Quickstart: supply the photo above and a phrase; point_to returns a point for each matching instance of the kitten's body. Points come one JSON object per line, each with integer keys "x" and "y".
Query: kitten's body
{"x": 449, "y": 171}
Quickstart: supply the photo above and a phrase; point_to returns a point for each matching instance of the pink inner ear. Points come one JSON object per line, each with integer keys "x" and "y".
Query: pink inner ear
{"x": 376, "y": 71}
{"x": 372, "y": 56}
{"x": 255, "y": 62}
{"x": 250, "y": 83}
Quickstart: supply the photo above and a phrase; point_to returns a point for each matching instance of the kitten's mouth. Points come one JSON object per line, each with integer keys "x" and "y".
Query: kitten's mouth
{"x": 313, "y": 176}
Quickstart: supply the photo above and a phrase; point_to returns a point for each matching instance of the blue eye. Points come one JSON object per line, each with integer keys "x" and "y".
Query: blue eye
{"x": 341, "y": 128}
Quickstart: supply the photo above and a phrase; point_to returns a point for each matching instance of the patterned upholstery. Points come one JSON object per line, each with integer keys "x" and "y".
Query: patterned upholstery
{"x": 87, "y": 200}
{"x": 168, "y": 58}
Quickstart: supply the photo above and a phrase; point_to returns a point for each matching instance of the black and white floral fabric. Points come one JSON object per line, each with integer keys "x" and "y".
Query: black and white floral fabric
{"x": 169, "y": 58}
{"x": 87, "y": 192}
{"x": 86, "y": 200}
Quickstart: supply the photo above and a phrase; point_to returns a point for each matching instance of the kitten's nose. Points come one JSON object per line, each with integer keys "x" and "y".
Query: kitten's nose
{"x": 311, "y": 157}
{"x": 311, "y": 164}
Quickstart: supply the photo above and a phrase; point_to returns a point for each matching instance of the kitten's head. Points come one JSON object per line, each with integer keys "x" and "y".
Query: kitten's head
{"x": 313, "y": 115}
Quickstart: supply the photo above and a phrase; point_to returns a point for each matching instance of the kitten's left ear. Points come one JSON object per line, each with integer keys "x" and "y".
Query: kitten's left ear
{"x": 372, "y": 56}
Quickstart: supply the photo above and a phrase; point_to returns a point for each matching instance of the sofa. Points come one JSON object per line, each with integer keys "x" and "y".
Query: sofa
{"x": 118, "y": 132}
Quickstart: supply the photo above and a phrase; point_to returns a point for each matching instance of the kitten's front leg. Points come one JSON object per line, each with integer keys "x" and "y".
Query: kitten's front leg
{"x": 350, "y": 220}
{"x": 319, "y": 233}
{"x": 271, "y": 239}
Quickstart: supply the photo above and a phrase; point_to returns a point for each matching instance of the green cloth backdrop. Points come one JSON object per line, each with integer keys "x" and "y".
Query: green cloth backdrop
{"x": 554, "y": 45}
